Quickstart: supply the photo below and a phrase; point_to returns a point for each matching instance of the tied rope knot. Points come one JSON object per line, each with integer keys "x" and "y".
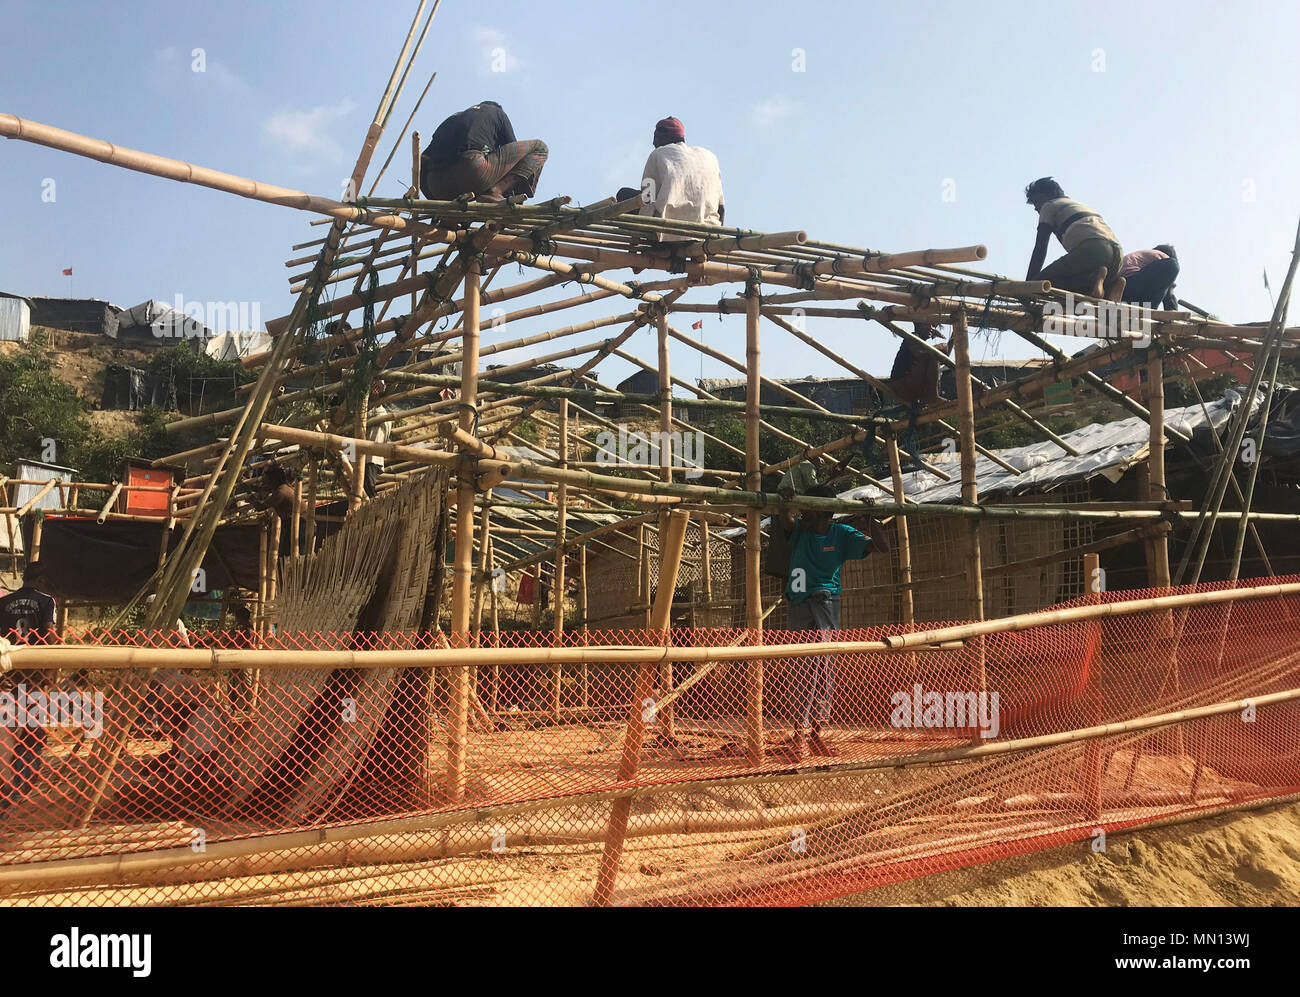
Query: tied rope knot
{"x": 806, "y": 276}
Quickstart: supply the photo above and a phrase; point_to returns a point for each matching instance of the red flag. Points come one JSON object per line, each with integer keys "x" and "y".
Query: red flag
{"x": 698, "y": 325}
{"x": 67, "y": 272}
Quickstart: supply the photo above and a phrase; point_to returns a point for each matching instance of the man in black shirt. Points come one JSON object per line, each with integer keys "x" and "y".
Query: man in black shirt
{"x": 475, "y": 152}
{"x": 26, "y": 617}
{"x": 27, "y": 614}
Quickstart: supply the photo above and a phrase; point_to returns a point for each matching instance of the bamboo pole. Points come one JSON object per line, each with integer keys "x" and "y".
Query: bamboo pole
{"x": 312, "y": 484}
{"x": 584, "y": 676}
{"x": 969, "y": 487}
{"x": 359, "y": 465}
{"x": 672, "y": 542}
{"x": 1156, "y": 490}
{"x": 126, "y": 657}
{"x": 643, "y": 565}
{"x": 273, "y": 560}
{"x": 458, "y": 715}
{"x": 591, "y": 397}
{"x": 107, "y": 506}
{"x": 561, "y": 524}
{"x": 262, "y": 574}
{"x": 753, "y": 527}
{"x": 295, "y": 523}
{"x": 1092, "y": 761}
{"x": 481, "y": 575}
{"x": 904, "y": 541}
{"x": 182, "y": 172}
{"x": 30, "y": 504}
{"x": 1278, "y": 323}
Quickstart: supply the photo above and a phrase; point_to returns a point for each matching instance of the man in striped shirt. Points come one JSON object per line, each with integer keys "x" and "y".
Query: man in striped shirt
{"x": 1092, "y": 260}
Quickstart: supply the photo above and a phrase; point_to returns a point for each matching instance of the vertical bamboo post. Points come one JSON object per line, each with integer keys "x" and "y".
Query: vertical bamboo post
{"x": 9, "y": 525}
{"x": 273, "y": 560}
{"x": 669, "y": 727}
{"x": 496, "y": 638}
{"x": 359, "y": 467}
{"x": 969, "y": 488}
{"x": 906, "y": 605}
{"x": 262, "y": 535}
{"x": 706, "y": 569}
{"x": 583, "y": 676}
{"x": 312, "y": 481}
{"x": 1158, "y": 570}
{"x": 1156, "y": 492}
{"x": 644, "y": 565}
{"x": 415, "y": 192}
{"x": 753, "y": 526}
{"x": 162, "y": 542}
{"x": 481, "y": 577}
{"x": 458, "y": 719}
{"x": 558, "y": 579}
{"x": 61, "y": 620}
{"x": 671, "y": 541}
{"x": 537, "y": 596}
{"x": 1092, "y": 749}
{"x": 38, "y": 529}
{"x": 295, "y": 524}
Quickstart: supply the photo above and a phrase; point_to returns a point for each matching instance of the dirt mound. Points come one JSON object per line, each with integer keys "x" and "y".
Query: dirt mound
{"x": 1247, "y": 859}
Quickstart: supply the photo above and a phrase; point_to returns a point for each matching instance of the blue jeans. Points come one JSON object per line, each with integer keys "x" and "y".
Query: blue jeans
{"x": 814, "y": 685}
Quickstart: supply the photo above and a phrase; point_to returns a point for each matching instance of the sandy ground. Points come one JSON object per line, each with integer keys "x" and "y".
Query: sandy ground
{"x": 1248, "y": 859}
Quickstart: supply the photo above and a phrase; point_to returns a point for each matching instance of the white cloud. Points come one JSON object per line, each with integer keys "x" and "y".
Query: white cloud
{"x": 498, "y": 54}
{"x": 198, "y": 65}
{"x": 773, "y": 110}
{"x": 307, "y": 132}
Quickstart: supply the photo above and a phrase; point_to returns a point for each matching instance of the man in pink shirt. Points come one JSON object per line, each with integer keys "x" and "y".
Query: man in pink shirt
{"x": 1150, "y": 277}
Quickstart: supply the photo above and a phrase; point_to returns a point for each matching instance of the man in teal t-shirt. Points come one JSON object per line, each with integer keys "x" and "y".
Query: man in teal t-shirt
{"x": 818, "y": 549}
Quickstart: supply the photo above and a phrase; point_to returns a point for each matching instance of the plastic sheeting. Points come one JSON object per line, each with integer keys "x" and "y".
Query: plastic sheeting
{"x": 1109, "y": 449}
{"x": 131, "y": 389}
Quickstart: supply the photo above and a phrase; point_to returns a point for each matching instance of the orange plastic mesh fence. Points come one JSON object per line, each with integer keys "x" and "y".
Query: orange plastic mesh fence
{"x": 125, "y": 782}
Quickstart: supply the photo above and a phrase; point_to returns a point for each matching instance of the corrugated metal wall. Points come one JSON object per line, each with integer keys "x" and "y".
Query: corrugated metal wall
{"x": 15, "y": 320}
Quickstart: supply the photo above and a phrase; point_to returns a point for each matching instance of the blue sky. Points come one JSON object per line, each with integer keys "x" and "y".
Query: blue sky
{"x": 1177, "y": 121}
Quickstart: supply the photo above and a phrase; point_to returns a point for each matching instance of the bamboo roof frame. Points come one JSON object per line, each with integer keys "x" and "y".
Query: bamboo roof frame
{"x": 779, "y": 276}
{"x": 579, "y": 244}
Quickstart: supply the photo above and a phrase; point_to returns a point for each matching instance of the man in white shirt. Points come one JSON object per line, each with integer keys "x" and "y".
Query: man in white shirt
{"x": 1092, "y": 260}
{"x": 680, "y": 182}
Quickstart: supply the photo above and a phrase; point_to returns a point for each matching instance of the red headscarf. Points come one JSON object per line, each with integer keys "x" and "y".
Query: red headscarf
{"x": 671, "y": 129}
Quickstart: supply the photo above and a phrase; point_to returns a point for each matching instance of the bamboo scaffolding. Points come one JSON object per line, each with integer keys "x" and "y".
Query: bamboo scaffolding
{"x": 122, "y": 657}
{"x": 562, "y": 504}
{"x": 126, "y": 868}
{"x": 754, "y": 736}
{"x": 630, "y": 763}
{"x": 458, "y": 712}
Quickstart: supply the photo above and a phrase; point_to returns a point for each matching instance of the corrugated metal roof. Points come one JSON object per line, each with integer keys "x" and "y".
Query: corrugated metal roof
{"x": 1108, "y": 448}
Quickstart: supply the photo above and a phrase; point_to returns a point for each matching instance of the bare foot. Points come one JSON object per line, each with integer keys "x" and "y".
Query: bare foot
{"x": 1115, "y": 291}
{"x": 1097, "y": 286}
{"x": 490, "y": 197}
